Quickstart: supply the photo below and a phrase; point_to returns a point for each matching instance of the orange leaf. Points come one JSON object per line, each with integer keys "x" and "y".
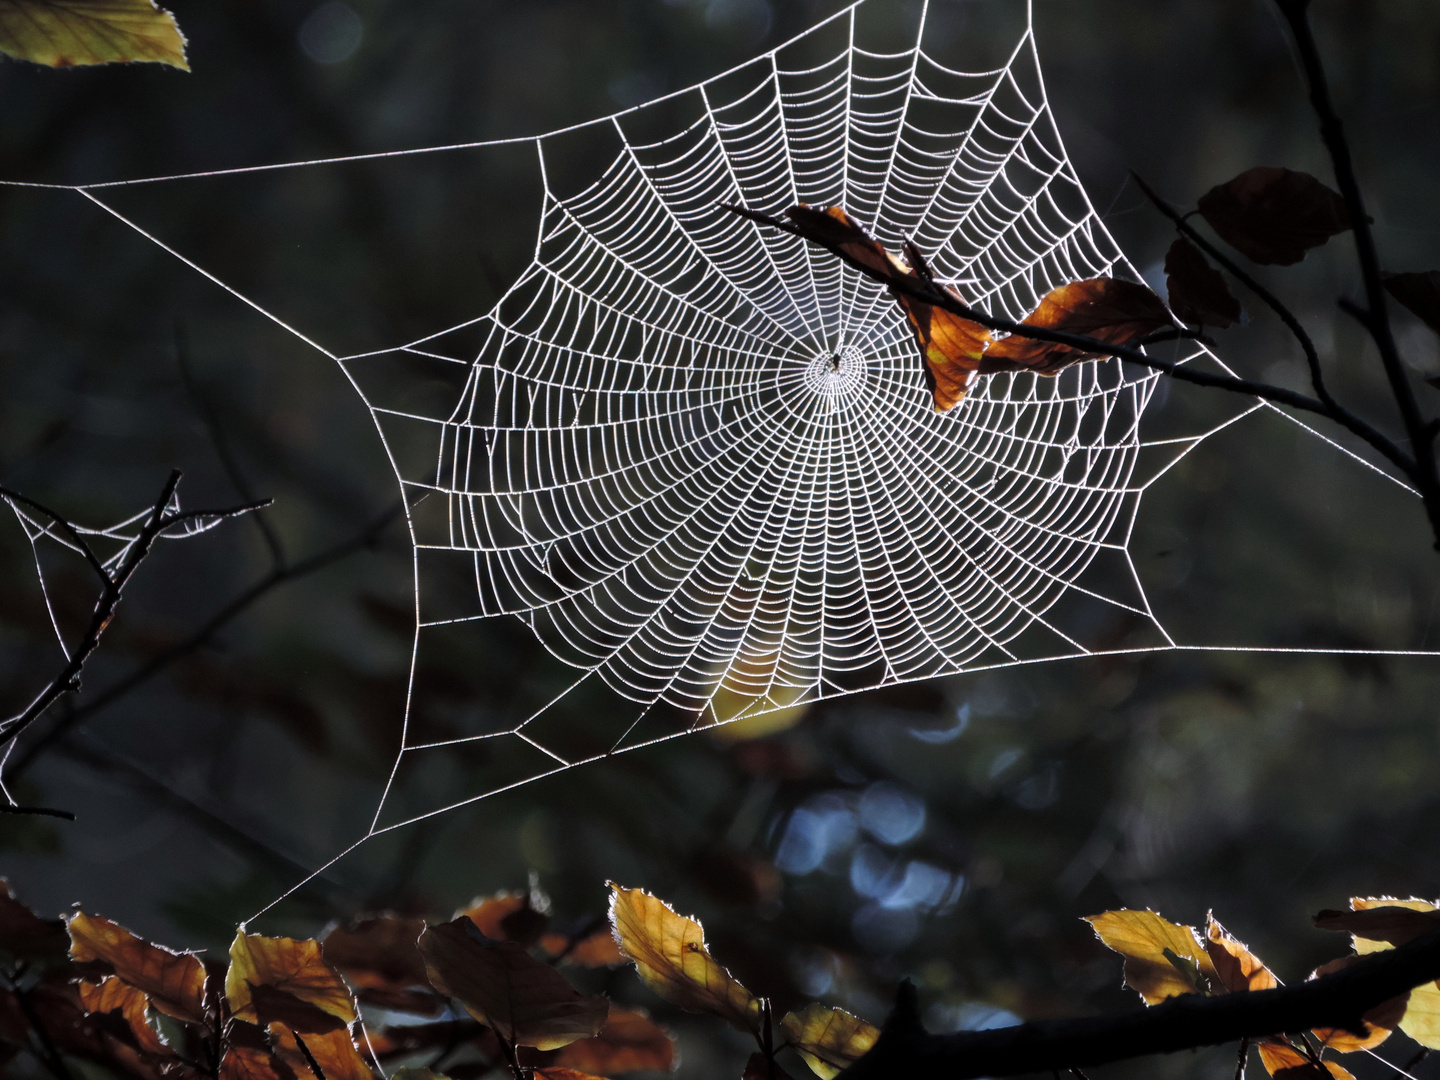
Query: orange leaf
{"x": 1274, "y": 216}
{"x": 1379, "y": 1021}
{"x": 831, "y": 227}
{"x": 1148, "y": 943}
{"x": 951, "y": 346}
{"x": 670, "y": 955}
{"x": 248, "y": 1056}
{"x": 1379, "y": 923}
{"x": 507, "y": 916}
{"x": 1115, "y": 312}
{"x": 286, "y": 980}
{"x": 1285, "y": 1062}
{"x": 1236, "y": 966}
{"x": 599, "y": 949}
{"x": 502, "y": 985}
{"x": 1198, "y": 293}
{"x": 335, "y": 1052}
{"x": 113, "y": 995}
{"x": 628, "y": 1042}
{"x": 175, "y": 982}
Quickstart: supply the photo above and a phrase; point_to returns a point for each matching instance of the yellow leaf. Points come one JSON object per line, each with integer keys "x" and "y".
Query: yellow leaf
{"x": 62, "y": 33}
{"x": 1144, "y": 938}
{"x": 670, "y": 955}
{"x": 828, "y": 1039}
{"x": 334, "y": 1051}
{"x": 293, "y": 977}
{"x": 115, "y": 995}
{"x": 1285, "y": 1062}
{"x": 1236, "y": 966}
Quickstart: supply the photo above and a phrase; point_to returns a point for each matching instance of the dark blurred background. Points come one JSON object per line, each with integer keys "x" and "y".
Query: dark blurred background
{"x": 953, "y": 832}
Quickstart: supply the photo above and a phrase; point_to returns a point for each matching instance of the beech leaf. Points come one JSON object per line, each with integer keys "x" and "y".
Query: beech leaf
{"x": 508, "y": 916}
{"x": 379, "y": 957}
{"x": 248, "y": 1056}
{"x": 829, "y": 1039}
{"x": 174, "y": 982}
{"x": 500, "y": 984}
{"x": 1272, "y": 215}
{"x": 1116, "y": 312}
{"x": 1144, "y": 939}
{"x": 1380, "y": 923}
{"x": 1419, "y": 294}
{"x": 1236, "y": 967}
{"x": 113, "y": 995}
{"x": 670, "y": 955}
{"x": 62, "y": 33}
{"x": 629, "y": 1041}
{"x": 334, "y": 1051}
{"x": 275, "y": 979}
{"x": 1198, "y": 293}
{"x": 1285, "y": 1062}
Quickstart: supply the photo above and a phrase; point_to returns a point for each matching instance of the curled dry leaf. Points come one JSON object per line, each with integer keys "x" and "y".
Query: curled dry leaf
{"x": 334, "y": 1051}
{"x": 1419, "y": 293}
{"x": 828, "y": 1039}
{"x": 1116, "y": 312}
{"x": 527, "y": 1002}
{"x": 1379, "y": 1021}
{"x": 1198, "y": 293}
{"x": 115, "y": 996}
{"x": 286, "y": 980}
{"x": 1379, "y": 923}
{"x": 1273, "y": 216}
{"x": 629, "y": 1041}
{"x": 174, "y": 982}
{"x": 670, "y": 955}
{"x": 379, "y": 957}
{"x": 1236, "y": 968}
{"x": 1148, "y": 943}
{"x": 62, "y": 33}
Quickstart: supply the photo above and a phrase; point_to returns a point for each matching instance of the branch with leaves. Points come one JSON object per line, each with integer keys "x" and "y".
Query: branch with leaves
{"x": 1272, "y": 216}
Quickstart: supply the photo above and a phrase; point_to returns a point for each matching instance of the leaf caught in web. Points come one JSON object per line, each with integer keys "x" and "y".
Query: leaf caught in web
{"x": 1198, "y": 293}
{"x": 1236, "y": 968}
{"x": 174, "y": 982}
{"x": 670, "y": 955}
{"x": 629, "y": 1041}
{"x": 1380, "y": 923}
{"x": 1116, "y": 312}
{"x": 1419, "y": 293}
{"x": 1162, "y": 959}
{"x": 64, "y": 33}
{"x": 1273, "y": 216}
{"x": 286, "y": 980}
{"x": 502, "y": 985}
{"x": 829, "y": 1039}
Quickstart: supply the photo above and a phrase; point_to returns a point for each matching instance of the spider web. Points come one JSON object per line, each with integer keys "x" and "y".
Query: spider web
{"x": 697, "y": 458}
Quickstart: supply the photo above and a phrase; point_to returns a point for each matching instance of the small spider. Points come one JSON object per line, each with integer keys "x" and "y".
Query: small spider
{"x": 835, "y": 362}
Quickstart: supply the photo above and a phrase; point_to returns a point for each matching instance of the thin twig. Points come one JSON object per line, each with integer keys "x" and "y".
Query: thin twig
{"x": 1377, "y": 318}
{"x": 71, "y": 533}
{"x": 366, "y": 538}
{"x": 38, "y": 811}
{"x": 1243, "y": 1058}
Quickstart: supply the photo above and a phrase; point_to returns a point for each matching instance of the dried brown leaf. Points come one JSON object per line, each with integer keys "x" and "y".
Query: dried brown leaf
{"x": 116, "y": 996}
{"x": 335, "y": 1052}
{"x": 502, "y": 985}
{"x": 175, "y": 982}
{"x": 1198, "y": 293}
{"x": 1273, "y": 215}
{"x": 670, "y": 955}
{"x": 1236, "y": 967}
{"x": 629, "y": 1041}
{"x": 1115, "y": 312}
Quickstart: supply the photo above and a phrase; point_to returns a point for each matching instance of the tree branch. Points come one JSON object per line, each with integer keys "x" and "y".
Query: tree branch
{"x": 1337, "y": 1000}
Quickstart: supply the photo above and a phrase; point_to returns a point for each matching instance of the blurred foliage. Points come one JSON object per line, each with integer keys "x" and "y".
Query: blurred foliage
{"x": 953, "y": 832}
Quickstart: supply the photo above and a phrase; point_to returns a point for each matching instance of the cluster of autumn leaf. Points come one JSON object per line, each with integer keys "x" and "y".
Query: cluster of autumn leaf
{"x": 284, "y": 1008}
{"x": 1272, "y": 216}
{"x": 1164, "y": 960}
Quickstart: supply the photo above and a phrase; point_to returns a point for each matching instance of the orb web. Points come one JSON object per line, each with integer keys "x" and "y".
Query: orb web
{"x": 698, "y": 459}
